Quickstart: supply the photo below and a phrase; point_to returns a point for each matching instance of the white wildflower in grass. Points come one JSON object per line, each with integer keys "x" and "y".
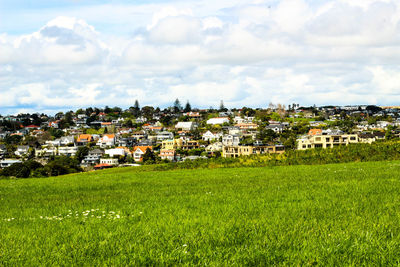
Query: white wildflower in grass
{"x": 184, "y": 245}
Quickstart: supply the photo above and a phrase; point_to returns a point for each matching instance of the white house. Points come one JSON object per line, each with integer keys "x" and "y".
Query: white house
{"x": 109, "y": 161}
{"x": 8, "y": 162}
{"x": 67, "y": 150}
{"x": 217, "y": 146}
{"x": 115, "y": 152}
{"x": 219, "y": 120}
{"x": 186, "y": 125}
{"x": 161, "y": 136}
{"x": 231, "y": 140}
{"x": 107, "y": 140}
{"x": 139, "y": 151}
{"x": 209, "y": 136}
{"x": 67, "y": 140}
{"x": 21, "y": 151}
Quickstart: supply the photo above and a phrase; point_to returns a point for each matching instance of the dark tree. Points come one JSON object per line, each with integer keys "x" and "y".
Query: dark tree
{"x": 187, "y": 108}
{"x": 81, "y": 153}
{"x": 149, "y": 156}
{"x": 222, "y": 106}
{"x": 177, "y": 106}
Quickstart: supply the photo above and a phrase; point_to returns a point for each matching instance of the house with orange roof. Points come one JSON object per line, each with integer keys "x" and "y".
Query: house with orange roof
{"x": 138, "y": 152}
{"x": 107, "y": 140}
{"x": 84, "y": 139}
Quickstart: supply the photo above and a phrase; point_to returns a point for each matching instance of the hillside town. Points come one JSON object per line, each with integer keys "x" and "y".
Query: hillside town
{"x": 101, "y": 138}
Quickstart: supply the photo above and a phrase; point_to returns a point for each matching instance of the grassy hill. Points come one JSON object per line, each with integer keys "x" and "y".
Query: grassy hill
{"x": 326, "y": 214}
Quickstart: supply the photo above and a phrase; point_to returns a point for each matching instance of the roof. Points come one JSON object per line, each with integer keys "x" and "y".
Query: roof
{"x": 142, "y": 148}
{"x": 315, "y": 132}
{"x": 84, "y": 136}
{"x": 101, "y": 165}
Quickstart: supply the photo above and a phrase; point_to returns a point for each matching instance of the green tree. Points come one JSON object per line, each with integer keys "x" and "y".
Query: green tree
{"x": 82, "y": 152}
{"x": 177, "y": 106}
{"x": 149, "y": 157}
{"x": 187, "y": 108}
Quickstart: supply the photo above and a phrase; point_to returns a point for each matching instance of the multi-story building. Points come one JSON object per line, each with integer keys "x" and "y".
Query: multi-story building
{"x": 172, "y": 144}
{"x": 237, "y": 151}
{"x": 326, "y": 141}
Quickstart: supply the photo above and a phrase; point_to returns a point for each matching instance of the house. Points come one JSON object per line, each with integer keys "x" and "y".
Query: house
{"x": 139, "y": 151}
{"x": 325, "y": 141}
{"x": 68, "y": 151}
{"x": 277, "y": 128}
{"x": 139, "y": 135}
{"x": 214, "y": 147}
{"x": 155, "y": 128}
{"x": 67, "y": 140}
{"x": 239, "y": 120}
{"x": 115, "y": 152}
{"x": 247, "y": 126}
{"x": 110, "y": 161}
{"x": 107, "y": 140}
{"x": 126, "y": 141}
{"x": 231, "y": 140}
{"x": 46, "y": 152}
{"x": 190, "y": 144}
{"x": 237, "y": 151}
{"x": 218, "y": 120}
{"x": 209, "y": 136}
{"x": 165, "y": 135}
{"x": 92, "y": 158}
{"x": 192, "y": 114}
{"x": 167, "y": 154}
{"x": 21, "y": 151}
{"x": 172, "y": 144}
{"x": 141, "y": 120}
{"x": 54, "y": 124}
{"x": 186, "y": 125}
{"x": 84, "y": 139}
{"x": 8, "y": 162}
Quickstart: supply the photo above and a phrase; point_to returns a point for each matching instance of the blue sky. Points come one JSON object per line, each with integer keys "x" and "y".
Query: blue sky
{"x": 61, "y": 55}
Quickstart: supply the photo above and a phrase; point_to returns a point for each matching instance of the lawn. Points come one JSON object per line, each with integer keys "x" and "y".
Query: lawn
{"x": 347, "y": 214}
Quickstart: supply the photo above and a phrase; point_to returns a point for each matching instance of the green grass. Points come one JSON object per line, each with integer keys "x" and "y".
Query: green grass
{"x": 338, "y": 214}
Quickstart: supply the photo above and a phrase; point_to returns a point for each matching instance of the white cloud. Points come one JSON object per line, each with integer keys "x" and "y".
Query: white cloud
{"x": 248, "y": 54}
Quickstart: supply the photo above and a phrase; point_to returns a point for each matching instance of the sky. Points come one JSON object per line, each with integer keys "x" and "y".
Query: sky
{"x": 58, "y": 55}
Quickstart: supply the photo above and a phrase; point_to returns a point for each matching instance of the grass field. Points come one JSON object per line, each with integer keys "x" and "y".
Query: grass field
{"x": 338, "y": 214}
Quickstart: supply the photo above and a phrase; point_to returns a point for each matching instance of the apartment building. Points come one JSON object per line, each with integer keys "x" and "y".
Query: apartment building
{"x": 326, "y": 141}
{"x": 237, "y": 151}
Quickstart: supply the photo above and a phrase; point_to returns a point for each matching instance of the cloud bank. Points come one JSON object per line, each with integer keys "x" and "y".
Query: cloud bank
{"x": 333, "y": 52}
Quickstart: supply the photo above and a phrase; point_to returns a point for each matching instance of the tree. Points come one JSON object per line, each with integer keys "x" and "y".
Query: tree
{"x": 18, "y": 170}
{"x": 177, "y": 106}
{"x": 136, "y": 109}
{"x": 81, "y": 153}
{"x": 187, "y": 108}
{"x": 149, "y": 156}
{"x": 222, "y": 107}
